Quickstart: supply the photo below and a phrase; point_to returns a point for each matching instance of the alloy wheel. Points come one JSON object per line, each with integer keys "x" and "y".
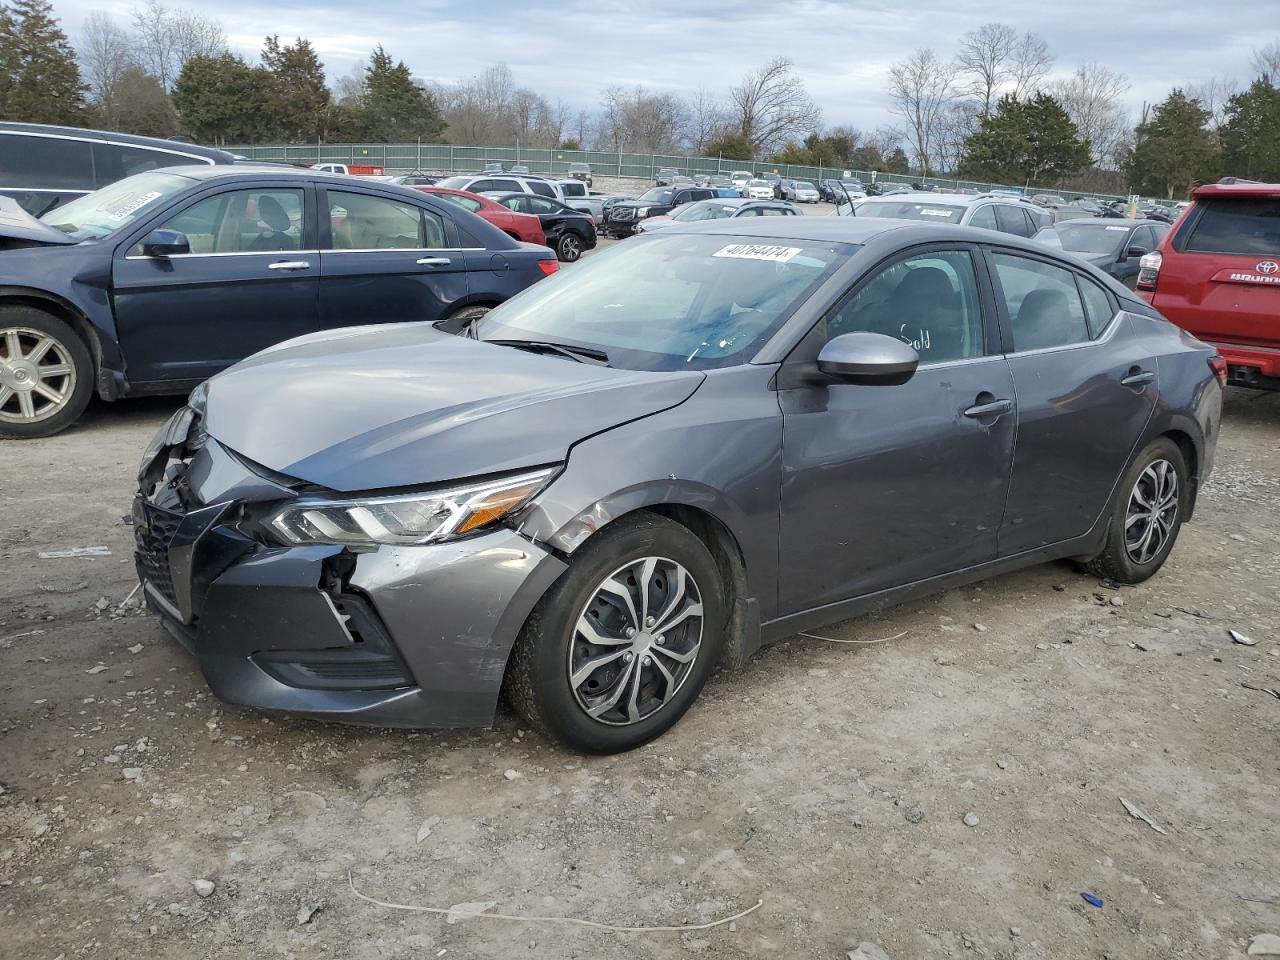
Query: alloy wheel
{"x": 569, "y": 248}
{"x": 1152, "y": 512}
{"x": 37, "y": 375}
{"x": 636, "y": 641}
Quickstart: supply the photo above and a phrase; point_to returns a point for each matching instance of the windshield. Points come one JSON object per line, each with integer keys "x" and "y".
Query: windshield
{"x": 704, "y": 210}
{"x": 1091, "y": 238}
{"x": 114, "y": 207}
{"x": 803, "y": 185}
{"x": 658, "y": 195}
{"x": 670, "y": 302}
{"x": 911, "y": 210}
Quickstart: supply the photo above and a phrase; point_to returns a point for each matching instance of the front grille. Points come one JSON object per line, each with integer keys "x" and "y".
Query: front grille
{"x": 152, "y": 536}
{"x": 622, "y": 213}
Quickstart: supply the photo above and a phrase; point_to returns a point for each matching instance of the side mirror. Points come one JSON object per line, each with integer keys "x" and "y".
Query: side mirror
{"x": 1135, "y": 251}
{"x": 868, "y": 358}
{"x": 165, "y": 243}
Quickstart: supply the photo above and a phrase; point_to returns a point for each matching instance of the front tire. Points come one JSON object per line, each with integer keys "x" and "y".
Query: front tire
{"x": 621, "y": 645}
{"x": 1150, "y": 504}
{"x": 46, "y": 374}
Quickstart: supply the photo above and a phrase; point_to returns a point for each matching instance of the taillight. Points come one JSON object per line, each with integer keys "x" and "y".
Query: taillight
{"x": 1149, "y": 270}
{"x": 1219, "y": 368}
{"x": 548, "y": 267}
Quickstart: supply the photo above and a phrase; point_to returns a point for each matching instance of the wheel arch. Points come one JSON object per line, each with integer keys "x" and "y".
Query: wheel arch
{"x": 1191, "y": 456}
{"x": 58, "y": 307}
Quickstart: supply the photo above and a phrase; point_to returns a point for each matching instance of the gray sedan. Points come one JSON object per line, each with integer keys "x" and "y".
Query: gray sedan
{"x": 686, "y": 447}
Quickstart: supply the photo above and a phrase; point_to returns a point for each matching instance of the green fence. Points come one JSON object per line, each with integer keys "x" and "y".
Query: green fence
{"x": 397, "y": 158}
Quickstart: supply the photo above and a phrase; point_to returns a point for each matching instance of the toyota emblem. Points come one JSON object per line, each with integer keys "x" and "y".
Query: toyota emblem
{"x": 1268, "y": 267}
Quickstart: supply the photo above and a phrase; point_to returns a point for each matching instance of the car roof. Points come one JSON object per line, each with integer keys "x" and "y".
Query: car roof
{"x": 1236, "y": 188}
{"x": 1111, "y": 222}
{"x": 80, "y": 133}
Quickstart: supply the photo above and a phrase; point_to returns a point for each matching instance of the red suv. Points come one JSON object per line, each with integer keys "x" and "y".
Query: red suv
{"x": 1217, "y": 275}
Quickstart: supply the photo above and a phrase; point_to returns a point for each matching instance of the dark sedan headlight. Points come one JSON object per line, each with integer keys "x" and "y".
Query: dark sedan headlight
{"x": 413, "y": 518}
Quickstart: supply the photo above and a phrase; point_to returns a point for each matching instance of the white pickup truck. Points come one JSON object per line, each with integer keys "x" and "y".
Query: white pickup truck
{"x": 576, "y": 194}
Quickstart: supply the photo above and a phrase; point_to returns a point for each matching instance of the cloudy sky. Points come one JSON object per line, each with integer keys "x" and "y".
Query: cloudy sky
{"x": 572, "y": 49}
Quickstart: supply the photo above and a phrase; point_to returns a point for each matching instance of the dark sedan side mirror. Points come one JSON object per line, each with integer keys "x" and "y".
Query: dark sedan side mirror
{"x": 1135, "y": 251}
{"x": 165, "y": 243}
{"x": 868, "y": 358}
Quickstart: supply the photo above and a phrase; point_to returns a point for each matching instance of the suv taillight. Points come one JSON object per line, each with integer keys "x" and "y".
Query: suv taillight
{"x": 1219, "y": 368}
{"x": 1149, "y": 270}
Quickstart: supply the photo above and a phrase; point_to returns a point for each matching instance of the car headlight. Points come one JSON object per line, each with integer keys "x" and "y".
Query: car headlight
{"x": 642, "y": 211}
{"x": 413, "y": 518}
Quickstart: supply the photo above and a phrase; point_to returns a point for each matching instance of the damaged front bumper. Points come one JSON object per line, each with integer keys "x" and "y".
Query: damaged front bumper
{"x": 412, "y": 636}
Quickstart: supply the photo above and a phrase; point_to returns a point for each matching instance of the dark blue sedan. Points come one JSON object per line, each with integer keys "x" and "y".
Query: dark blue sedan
{"x": 157, "y": 282}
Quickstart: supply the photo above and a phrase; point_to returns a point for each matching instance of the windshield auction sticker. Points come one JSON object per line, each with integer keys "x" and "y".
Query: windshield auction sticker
{"x": 117, "y": 212}
{"x": 757, "y": 251}
{"x": 934, "y": 212}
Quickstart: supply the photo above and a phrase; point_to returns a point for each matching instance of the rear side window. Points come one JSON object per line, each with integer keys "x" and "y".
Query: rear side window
{"x": 1013, "y": 220}
{"x": 984, "y": 217}
{"x": 1042, "y": 300}
{"x": 114, "y": 162}
{"x": 541, "y": 188}
{"x": 359, "y": 221}
{"x": 45, "y": 163}
{"x": 575, "y": 189}
{"x": 1245, "y": 225}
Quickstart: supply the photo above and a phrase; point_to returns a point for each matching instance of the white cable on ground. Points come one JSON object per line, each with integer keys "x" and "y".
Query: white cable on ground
{"x": 814, "y": 636}
{"x": 572, "y": 920}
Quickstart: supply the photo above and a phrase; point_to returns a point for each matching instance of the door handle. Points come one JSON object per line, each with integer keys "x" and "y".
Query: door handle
{"x": 1138, "y": 377}
{"x": 991, "y": 408}
{"x": 434, "y": 262}
{"x": 289, "y": 265}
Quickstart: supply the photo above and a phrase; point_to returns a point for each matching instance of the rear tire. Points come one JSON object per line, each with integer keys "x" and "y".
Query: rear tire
{"x": 577, "y": 675}
{"x": 46, "y": 373}
{"x": 569, "y": 247}
{"x": 1146, "y": 515}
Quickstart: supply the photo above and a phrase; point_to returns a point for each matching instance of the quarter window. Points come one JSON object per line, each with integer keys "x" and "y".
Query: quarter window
{"x": 1013, "y": 220}
{"x": 114, "y": 162}
{"x": 1043, "y": 302}
{"x": 361, "y": 221}
{"x": 929, "y": 301}
{"x": 242, "y": 221}
{"x": 984, "y": 217}
{"x": 1097, "y": 305}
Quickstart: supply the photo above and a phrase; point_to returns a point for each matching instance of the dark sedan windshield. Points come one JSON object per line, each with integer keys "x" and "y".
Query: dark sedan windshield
{"x": 1092, "y": 238}
{"x": 114, "y": 207}
{"x": 911, "y": 210}
{"x": 689, "y": 302}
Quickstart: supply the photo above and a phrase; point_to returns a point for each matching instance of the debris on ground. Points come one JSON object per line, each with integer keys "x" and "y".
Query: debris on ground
{"x": 1271, "y": 690}
{"x": 970, "y": 819}
{"x": 307, "y": 911}
{"x": 75, "y": 552}
{"x": 1264, "y": 945}
{"x": 868, "y": 951}
{"x": 94, "y": 671}
{"x": 203, "y": 887}
{"x": 428, "y": 825}
{"x": 914, "y": 815}
{"x": 1091, "y": 900}
{"x": 1241, "y": 639}
{"x": 1136, "y": 812}
{"x": 512, "y": 774}
{"x": 461, "y": 911}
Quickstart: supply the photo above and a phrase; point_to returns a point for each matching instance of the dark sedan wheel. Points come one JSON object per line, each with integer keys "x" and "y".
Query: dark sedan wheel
{"x": 1146, "y": 515}
{"x": 620, "y": 647}
{"x": 46, "y": 374}
{"x": 569, "y": 247}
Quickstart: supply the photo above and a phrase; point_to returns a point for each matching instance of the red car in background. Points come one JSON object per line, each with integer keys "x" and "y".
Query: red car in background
{"x": 521, "y": 226}
{"x": 1216, "y": 274}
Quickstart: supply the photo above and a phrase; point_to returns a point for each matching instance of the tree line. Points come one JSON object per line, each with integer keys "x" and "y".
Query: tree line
{"x": 993, "y": 111}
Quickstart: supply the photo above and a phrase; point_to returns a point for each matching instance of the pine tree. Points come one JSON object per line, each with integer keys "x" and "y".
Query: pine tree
{"x": 1173, "y": 150}
{"x": 394, "y": 106}
{"x": 39, "y": 77}
{"x": 223, "y": 99}
{"x": 1251, "y": 135}
{"x": 1025, "y": 141}
{"x": 300, "y": 106}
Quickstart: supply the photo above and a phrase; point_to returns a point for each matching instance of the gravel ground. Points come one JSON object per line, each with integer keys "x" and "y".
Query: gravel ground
{"x": 830, "y": 781}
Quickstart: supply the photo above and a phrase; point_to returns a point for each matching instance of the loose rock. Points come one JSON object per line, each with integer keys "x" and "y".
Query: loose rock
{"x": 203, "y": 887}
{"x": 868, "y": 951}
{"x": 1264, "y": 945}
{"x": 307, "y": 911}
{"x": 132, "y": 773}
{"x": 913, "y": 815}
{"x": 970, "y": 819}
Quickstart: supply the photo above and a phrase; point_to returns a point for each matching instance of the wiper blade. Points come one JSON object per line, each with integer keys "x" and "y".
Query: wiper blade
{"x": 580, "y": 354}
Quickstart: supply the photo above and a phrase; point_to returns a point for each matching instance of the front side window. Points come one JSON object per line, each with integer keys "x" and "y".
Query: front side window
{"x": 360, "y": 221}
{"x": 1043, "y": 302}
{"x": 929, "y": 301}
{"x": 690, "y": 302}
{"x": 242, "y": 221}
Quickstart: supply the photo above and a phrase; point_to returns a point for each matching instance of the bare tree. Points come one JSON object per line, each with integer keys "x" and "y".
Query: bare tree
{"x": 638, "y": 121}
{"x": 1266, "y": 60}
{"x": 1029, "y": 66}
{"x": 986, "y": 56}
{"x": 168, "y": 38}
{"x": 771, "y": 106}
{"x": 106, "y": 55}
{"x": 491, "y": 108}
{"x": 1213, "y": 95}
{"x": 1092, "y": 98}
{"x": 922, "y": 88}
{"x": 707, "y": 119}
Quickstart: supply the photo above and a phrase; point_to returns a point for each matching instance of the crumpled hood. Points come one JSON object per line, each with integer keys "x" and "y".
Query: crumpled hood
{"x": 368, "y": 408}
{"x": 17, "y": 224}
